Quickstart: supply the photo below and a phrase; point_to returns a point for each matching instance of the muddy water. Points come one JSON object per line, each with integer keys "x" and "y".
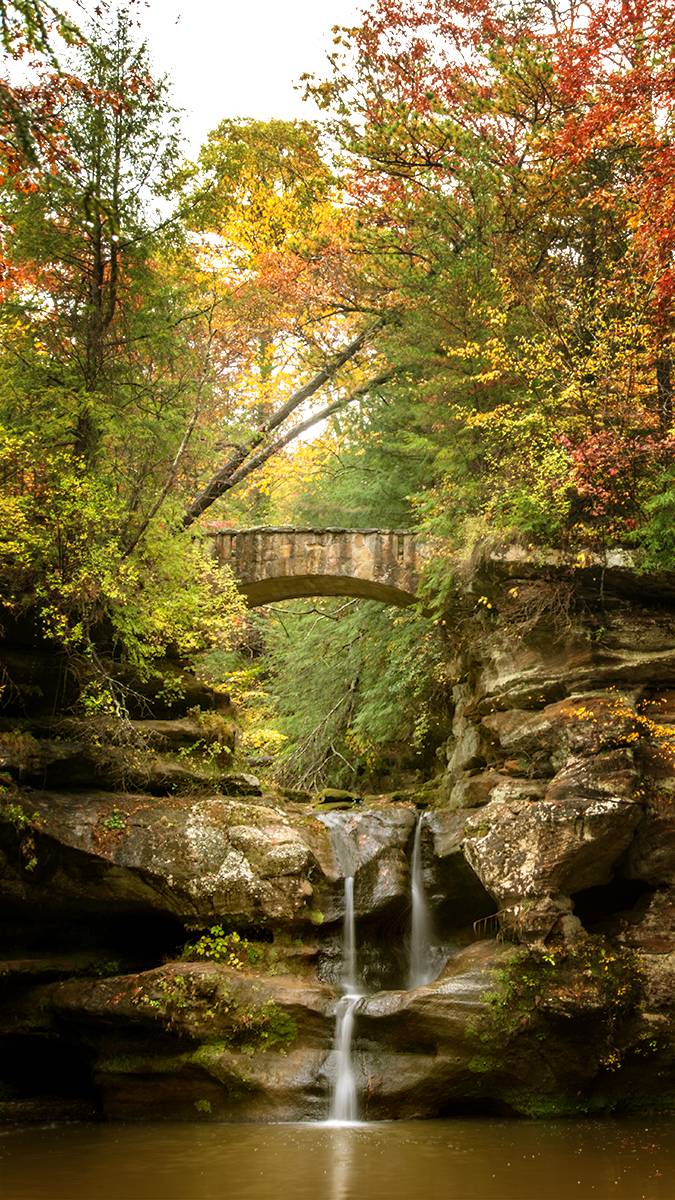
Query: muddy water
{"x": 477, "y": 1159}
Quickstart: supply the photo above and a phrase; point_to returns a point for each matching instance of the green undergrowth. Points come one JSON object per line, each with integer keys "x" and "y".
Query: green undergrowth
{"x": 143, "y": 1064}
{"x": 231, "y": 949}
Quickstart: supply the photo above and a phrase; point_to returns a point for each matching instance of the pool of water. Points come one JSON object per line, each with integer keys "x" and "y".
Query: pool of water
{"x": 478, "y": 1159}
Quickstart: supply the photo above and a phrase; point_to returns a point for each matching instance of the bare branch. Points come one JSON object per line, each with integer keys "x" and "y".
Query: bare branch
{"x": 224, "y": 479}
{"x": 322, "y": 414}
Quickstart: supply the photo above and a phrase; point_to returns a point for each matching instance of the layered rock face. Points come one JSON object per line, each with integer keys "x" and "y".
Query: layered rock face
{"x": 548, "y": 862}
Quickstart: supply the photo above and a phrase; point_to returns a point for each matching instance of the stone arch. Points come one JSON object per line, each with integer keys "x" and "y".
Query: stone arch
{"x": 287, "y": 563}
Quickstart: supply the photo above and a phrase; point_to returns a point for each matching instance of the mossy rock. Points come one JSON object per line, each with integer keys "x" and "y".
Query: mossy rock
{"x": 581, "y": 1002}
{"x": 335, "y": 799}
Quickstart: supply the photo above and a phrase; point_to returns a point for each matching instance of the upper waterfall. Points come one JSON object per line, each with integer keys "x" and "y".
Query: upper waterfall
{"x": 421, "y": 965}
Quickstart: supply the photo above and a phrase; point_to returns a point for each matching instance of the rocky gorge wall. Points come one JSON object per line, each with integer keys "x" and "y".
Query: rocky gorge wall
{"x": 548, "y": 853}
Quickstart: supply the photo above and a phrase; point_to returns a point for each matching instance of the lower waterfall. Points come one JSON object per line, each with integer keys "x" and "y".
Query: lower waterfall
{"x": 344, "y": 1099}
{"x": 344, "y": 1096}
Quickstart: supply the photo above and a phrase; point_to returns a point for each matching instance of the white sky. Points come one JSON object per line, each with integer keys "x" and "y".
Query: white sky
{"x": 240, "y": 58}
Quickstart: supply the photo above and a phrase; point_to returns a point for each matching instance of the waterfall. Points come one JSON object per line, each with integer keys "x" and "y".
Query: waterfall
{"x": 344, "y": 1100}
{"x": 343, "y": 1103}
{"x": 421, "y": 963}
{"x": 349, "y": 982}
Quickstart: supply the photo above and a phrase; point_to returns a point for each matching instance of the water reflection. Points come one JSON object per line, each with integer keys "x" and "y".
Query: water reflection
{"x": 341, "y": 1142}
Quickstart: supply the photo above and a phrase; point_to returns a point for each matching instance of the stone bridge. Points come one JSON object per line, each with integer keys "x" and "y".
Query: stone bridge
{"x": 285, "y": 563}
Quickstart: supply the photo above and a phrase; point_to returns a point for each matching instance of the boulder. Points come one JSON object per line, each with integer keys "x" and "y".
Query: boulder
{"x": 373, "y": 844}
{"x": 651, "y": 926}
{"x": 537, "y": 848}
{"x": 117, "y": 841}
{"x": 200, "y": 860}
{"x": 610, "y": 774}
{"x": 200, "y": 1002}
{"x": 582, "y": 724}
{"x": 637, "y": 648}
{"x": 413, "y": 1049}
{"x": 199, "y": 1041}
{"x": 472, "y": 791}
{"x": 658, "y": 972}
{"x": 541, "y": 919}
{"x": 452, "y": 886}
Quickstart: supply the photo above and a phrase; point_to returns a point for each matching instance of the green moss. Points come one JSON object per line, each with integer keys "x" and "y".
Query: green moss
{"x": 556, "y": 1105}
{"x": 281, "y": 1027}
{"x": 597, "y": 1103}
{"x": 264, "y": 1027}
{"x": 143, "y": 1064}
{"x": 208, "y": 1054}
{"x": 658, "y": 1101}
{"x": 189, "y": 1005}
{"x": 576, "y": 1001}
{"x": 258, "y": 1029}
{"x": 477, "y": 830}
{"x": 208, "y": 1057}
{"x": 13, "y": 814}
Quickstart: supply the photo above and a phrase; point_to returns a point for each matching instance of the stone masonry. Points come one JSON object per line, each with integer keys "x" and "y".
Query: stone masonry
{"x": 285, "y": 563}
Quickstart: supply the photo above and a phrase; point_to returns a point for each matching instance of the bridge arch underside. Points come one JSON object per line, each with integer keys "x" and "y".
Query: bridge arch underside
{"x": 299, "y": 587}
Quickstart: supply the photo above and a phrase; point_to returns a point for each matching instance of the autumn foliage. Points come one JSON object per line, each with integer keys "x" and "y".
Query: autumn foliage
{"x": 447, "y": 305}
{"x": 513, "y": 172}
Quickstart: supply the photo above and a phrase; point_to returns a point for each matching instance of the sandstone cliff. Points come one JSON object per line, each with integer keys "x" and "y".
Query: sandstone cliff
{"x": 548, "y": 855}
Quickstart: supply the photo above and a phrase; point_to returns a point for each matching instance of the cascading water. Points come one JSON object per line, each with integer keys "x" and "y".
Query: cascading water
{"x": 344, "y": 1103}
{"x": 344, "y": 1099}
{"x": 349, "y": 939}
{"x": 421, "y": 958}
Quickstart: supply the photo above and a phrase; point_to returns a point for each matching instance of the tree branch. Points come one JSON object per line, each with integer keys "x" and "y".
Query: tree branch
{"x": 291, "y": 434}
{"x": 223, "y": 480}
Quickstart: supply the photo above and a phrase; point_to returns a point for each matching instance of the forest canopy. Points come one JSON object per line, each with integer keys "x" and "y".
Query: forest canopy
{"x": 445, "y": 305}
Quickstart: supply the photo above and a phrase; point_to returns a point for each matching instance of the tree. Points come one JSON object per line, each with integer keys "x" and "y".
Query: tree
{"x": 509, "y": 167}
{"x": 266, "y": 206}
{"x": 106, "y": 367}
{"x": 29, "y": 26}
{"x": 31, "y": 130}
{"x": 85, "y": 231}
{"x": 250, "y": 456}
{"x": 508, "y": 172}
